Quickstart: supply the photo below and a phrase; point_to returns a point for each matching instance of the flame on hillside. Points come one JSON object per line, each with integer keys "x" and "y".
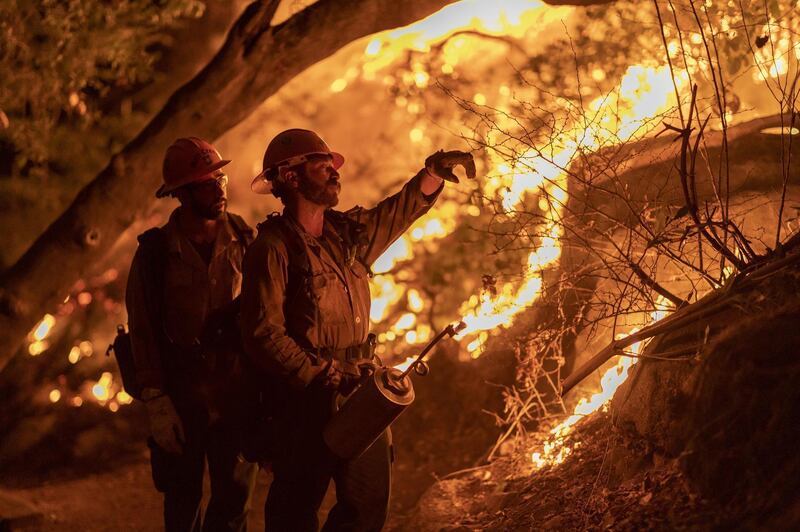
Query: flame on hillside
{"x": 554, "y": 450}
{"x": 627, "y": 113}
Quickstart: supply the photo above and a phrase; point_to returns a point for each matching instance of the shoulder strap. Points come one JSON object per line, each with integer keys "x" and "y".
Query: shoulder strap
{"x": 243, "y": 231}
{"x": 153, "y": 244}
{"x": 353, "y": 234}
{"x": 297, "y": 254}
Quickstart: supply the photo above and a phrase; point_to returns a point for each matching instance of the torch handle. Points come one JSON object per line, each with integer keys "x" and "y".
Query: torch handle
{"x": 450, "y": 330}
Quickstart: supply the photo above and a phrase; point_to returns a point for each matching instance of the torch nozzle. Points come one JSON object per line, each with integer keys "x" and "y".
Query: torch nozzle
{"x": 451, "y": 330}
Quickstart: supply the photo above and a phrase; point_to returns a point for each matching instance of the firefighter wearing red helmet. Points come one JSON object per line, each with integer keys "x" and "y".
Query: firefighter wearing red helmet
{"x": 305, "y": 322}
{"x": 183, "y": 274}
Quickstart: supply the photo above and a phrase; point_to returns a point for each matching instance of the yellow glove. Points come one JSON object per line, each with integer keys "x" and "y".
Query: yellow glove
{"x": 165, "y": 425}
{"x": 441, "y": 163}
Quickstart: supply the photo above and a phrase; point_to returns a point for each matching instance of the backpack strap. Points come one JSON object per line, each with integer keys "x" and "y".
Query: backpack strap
{"x": 244, "y": 232}
{"x": 298, "y": 258}
{"x": 153, "y": 246}
{"x": 353, "y": 234}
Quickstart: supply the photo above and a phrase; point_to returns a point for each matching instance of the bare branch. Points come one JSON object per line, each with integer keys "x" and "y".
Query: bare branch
{"x": 255, "y": 61}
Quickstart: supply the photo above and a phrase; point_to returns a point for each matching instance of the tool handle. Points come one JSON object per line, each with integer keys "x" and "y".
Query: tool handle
{"x": 450, "y": 330}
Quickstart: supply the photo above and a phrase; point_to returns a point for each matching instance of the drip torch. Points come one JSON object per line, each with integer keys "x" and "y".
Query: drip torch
{"x": 377, "y": 401}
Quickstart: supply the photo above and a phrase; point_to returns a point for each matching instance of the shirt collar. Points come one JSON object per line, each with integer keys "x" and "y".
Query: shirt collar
{"x": 176, "y": 240}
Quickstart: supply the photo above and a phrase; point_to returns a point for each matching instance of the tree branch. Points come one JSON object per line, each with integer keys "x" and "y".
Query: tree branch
{"x": 579, "y": 3}
{"x": 255, "y": 61}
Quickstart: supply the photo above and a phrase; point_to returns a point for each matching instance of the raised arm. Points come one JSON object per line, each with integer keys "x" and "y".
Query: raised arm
{"x": 394, "y": 215}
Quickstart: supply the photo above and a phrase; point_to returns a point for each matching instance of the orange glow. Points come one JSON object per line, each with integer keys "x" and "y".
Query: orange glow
{"x": 514, "y": 181}
{"x": 643, "y": 93}
{"x": 554, "y": 451}
{"x": 405, "y": 364}
{"x": 123, "y": 398}
{"x": 101, "y": 390}
{"x": 38, "y": 347}
{"x": 74, "y": 354}
{"x": 43, "y": 328}
{"x": 86, "y": 348}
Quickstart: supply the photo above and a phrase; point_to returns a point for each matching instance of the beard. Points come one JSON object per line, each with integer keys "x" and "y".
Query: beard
{"x": 326, "y": 194}
{"x": 214, "y": 211}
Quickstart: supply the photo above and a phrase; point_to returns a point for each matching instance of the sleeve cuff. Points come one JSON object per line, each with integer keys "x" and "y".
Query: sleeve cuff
{"x": 428, "y": 199}
{"x": 305, "y": 374}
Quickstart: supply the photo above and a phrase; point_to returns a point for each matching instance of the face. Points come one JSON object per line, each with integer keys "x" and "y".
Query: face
{"x": 207, "y": 199}
{"x": 318, "y": 182}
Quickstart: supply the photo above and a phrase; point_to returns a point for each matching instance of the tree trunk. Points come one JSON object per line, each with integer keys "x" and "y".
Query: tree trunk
{"x": 256, "y": 60}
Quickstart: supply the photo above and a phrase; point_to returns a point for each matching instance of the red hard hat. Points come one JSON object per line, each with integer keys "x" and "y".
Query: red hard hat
{"x": 289, "y": 148}
{"x": 188, "y": 160}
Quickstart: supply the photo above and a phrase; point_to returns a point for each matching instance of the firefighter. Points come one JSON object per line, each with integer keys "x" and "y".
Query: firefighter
{"x": 181, "y": 274}
{"x": 305, "y": 323}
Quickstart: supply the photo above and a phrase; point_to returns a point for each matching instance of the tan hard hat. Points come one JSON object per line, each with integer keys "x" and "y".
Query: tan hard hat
{"x": 188, "y": 160}
{"x": 289, "y": 148}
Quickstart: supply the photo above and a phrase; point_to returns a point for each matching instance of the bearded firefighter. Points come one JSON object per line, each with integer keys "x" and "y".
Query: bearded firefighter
{"x": 181, "y": 274}
{"x": 305, "y": 323}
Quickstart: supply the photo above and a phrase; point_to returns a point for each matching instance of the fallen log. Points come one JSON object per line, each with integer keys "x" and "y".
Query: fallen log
{"x": 713, "y": 303}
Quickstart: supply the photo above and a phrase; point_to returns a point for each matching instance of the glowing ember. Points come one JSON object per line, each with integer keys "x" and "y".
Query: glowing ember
{"x": 415, "y": 302}
{"x": 102, "y": 389}
{"x": 74, "y": 354}
{"x": 43, "y": 328}
{"x": 86, "y": 348}
{"x": 55, "y": 396}
{"x": 406, "y": 321}
{"x": 123, "y": 398}
{"x": 38, "y": 347}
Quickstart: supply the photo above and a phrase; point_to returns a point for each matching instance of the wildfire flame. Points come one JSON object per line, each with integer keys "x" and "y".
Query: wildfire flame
{"x": 554, "y": 451}
{"x": 644, "y": 92}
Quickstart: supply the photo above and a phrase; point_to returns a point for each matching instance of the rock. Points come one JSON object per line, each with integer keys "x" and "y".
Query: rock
{"x": 727, "y": 415}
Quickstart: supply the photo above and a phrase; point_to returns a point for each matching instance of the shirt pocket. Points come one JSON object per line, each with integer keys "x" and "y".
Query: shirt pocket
{"x": 359, "y": 270}
{"x": 330, "y": 297}
{"x": 184, "y": 302}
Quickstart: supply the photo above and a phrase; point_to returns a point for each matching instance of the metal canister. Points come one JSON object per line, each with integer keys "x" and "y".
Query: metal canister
{"x": 368, "y": 411}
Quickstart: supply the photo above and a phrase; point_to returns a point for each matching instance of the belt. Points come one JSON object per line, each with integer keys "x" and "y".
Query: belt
{"x": 353, "y": 354}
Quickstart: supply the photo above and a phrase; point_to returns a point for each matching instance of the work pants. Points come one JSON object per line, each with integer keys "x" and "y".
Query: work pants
{"x": 304, "y": 467}
{"x": 180, "y": 477}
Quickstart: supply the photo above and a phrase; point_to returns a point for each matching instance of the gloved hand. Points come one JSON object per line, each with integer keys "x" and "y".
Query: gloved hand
{"x": 348, "y": 384}
{"x": 165, "y": 425}
{"x": 331, "y": 375}
{"x": 441, "y": 163}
